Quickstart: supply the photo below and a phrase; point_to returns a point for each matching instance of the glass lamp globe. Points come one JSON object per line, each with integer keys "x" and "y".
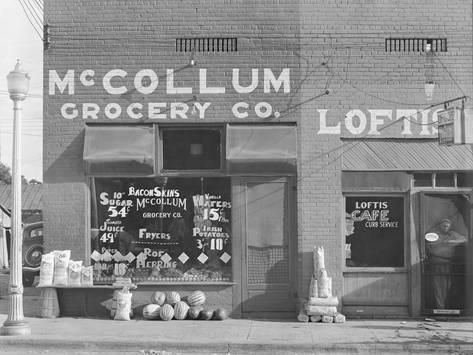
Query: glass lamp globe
{"x": 18, "y": 82}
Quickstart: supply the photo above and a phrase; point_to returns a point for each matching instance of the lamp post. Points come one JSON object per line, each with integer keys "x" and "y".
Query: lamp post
{"x": 18, "y": 85}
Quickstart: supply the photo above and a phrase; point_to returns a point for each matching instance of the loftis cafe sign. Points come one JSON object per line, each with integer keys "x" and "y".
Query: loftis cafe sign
{"x": 147, "y": 82}
{"x": 121, "y": 85}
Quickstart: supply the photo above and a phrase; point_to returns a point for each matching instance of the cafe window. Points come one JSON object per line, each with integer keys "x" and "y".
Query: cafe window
{"x": 192, "y": 149}
{"x": 374, "y": 231}
{"x": 161, "y": 229}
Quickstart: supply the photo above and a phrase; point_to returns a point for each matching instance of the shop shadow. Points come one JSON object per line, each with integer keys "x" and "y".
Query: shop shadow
{"x": 270, "y": 295}
{"x": 68, "y": 167}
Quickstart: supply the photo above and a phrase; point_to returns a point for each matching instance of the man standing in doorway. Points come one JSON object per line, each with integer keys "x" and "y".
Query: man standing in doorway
{"x": 444, "y": 248}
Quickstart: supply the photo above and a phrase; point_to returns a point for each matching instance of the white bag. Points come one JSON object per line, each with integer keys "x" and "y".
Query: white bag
{"x": 123, "y": 304}
{"x": 46, "y": 271}
{"x": 61, "y": 262}
{"x": 87, "y": 275}
{"x": 319, "y": 259}
{"x": 324, "y": 284}
{"x": 74, "y": 273}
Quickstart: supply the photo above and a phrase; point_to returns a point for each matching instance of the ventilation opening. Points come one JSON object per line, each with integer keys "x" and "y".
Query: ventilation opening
{"x": 210, "y": 44}
{"x": 415, "y": 44}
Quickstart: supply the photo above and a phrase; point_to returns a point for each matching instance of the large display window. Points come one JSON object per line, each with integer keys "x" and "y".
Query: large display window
{"x": 161, "y": 229}
{"x": 374, "y": 231}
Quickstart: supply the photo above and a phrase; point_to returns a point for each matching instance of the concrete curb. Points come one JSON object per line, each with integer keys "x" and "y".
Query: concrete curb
{"x": 119, "y": 345}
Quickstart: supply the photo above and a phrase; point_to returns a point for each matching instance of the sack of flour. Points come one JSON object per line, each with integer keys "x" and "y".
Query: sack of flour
{"x": 46, "y": 271}
{"x": 74, "y": 273}
{"x": 319, "y": 259}
{"x": 123, "y": 304}
{"x": 61, "y": 262}
{"x": 87, "y": 275}
{"x": 324, "y": 284}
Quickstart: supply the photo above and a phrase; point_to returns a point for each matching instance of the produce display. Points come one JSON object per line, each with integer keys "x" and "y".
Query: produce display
{"x": 166, "y": 312}
{"x": 206, "y": 314}
{"x": 170, "y": 305}
{"x": 196, "y": 298}
{"x": 172, "y": 298}
{"x": 158, "y": 297}
{"x": 151, "y": 311}
{"x": 194, "y": 312}
{"x": 220, "y": 314}
{"x": 180, "y": 310}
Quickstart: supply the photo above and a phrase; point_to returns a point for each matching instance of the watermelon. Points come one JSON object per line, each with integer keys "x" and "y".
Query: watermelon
{"x": 220, "y": 314}
{"x": 158, "y": 297}
{"x": 151, "y": 311}
{"x": 166, "y": 312}
{"x": 194, "y": 312}
{"x": 206, "y": 314}
{"x": 180, "y": 310}
{"x": 172, "y": 298}
{"x": 196, "y": 298}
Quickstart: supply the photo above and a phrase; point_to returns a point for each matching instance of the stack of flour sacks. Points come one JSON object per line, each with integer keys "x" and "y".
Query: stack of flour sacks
{"x": 321, "y": 305}
{"x": 57, "y": 269}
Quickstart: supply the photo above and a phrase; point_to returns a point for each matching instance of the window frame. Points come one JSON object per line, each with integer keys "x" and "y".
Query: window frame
{"x": 161, "y": 171}
{"x": 376, "y": 269}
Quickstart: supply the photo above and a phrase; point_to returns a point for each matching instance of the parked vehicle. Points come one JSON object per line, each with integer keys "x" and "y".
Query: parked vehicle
{"x": 32, "y": 251}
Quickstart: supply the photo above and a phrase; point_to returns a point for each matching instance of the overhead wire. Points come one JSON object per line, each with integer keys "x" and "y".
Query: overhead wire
{"x": 34, "y": 13}
{"x": 30, "y": 21}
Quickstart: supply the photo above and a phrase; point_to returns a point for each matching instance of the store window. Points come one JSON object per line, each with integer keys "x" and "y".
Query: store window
{"x": 161, "y": 229}
{"x": 374, "y": 231}
{"x": 192, "y": 149}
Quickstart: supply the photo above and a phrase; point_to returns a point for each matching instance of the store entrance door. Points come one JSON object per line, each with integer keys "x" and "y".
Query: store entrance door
{"x": 445, "y": 233}
{"x": 267, "y": 287}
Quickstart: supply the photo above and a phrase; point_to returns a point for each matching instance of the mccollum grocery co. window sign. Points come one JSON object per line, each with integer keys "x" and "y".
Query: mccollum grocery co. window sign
{"x": 161, "y": 229}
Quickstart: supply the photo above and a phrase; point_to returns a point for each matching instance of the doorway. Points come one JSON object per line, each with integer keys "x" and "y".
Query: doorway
{"x": 267, "y": 246}
{"x": 445, "y": 233}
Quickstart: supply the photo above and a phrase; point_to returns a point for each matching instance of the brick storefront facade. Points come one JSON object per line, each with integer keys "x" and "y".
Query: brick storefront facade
{"x": 346, "y": 86}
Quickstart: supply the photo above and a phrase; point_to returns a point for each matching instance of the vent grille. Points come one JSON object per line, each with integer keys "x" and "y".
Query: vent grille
{"x": 414, "y": 44}
{"x": 209, "y": 44}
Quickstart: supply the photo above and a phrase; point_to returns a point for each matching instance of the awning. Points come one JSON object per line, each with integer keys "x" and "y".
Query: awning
{"x": 119, "y": 150}
{"x": 405, "y": 155}
{"x": 261, "y": 148}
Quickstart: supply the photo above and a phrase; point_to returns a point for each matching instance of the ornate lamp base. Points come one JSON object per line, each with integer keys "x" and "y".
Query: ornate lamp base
{"x": 15, "y": 328}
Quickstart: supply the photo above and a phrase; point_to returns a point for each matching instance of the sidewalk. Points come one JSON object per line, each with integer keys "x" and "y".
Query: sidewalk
{"x": 235, "y": 336}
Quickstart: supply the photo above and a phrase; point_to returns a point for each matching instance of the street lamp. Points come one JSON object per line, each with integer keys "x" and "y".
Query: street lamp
{"x": 18, "y": 85}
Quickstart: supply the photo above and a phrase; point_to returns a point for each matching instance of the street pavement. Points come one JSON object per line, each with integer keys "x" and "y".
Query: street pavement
{"x": 66, "y": 335}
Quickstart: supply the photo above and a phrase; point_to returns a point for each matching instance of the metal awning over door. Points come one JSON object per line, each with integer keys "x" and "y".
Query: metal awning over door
{"x": 405, "y": 155}
{"x": 261, "y": 148}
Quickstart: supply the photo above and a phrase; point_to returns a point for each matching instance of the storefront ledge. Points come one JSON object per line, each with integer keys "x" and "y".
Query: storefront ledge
{"x": 200, "y": 283}
{"x": 378, "y": 270}
{"x": 132, "y": 286}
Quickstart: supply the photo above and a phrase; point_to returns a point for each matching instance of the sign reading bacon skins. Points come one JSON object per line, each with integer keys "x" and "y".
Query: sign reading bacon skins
{"x": 171, "y": 229}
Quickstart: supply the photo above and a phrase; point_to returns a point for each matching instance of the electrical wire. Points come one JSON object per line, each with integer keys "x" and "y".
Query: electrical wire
{"x": 450, "y": 74}
{"x": 30, "y": 21}
{"x": 33, "y": 12}
{"x": 39, "y": 4}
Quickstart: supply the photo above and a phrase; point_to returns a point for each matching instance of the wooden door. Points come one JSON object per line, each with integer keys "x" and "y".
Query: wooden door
{"x": 267, "y": 277}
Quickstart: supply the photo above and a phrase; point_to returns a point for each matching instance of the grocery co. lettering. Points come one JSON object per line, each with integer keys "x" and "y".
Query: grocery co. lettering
{"x": 119, "y": 83}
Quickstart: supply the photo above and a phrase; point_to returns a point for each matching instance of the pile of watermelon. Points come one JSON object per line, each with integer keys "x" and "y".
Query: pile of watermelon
{"x": 169, "y": 305}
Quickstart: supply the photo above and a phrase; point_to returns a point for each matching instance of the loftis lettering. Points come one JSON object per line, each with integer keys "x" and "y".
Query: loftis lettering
{"x": 374, "y": 122}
